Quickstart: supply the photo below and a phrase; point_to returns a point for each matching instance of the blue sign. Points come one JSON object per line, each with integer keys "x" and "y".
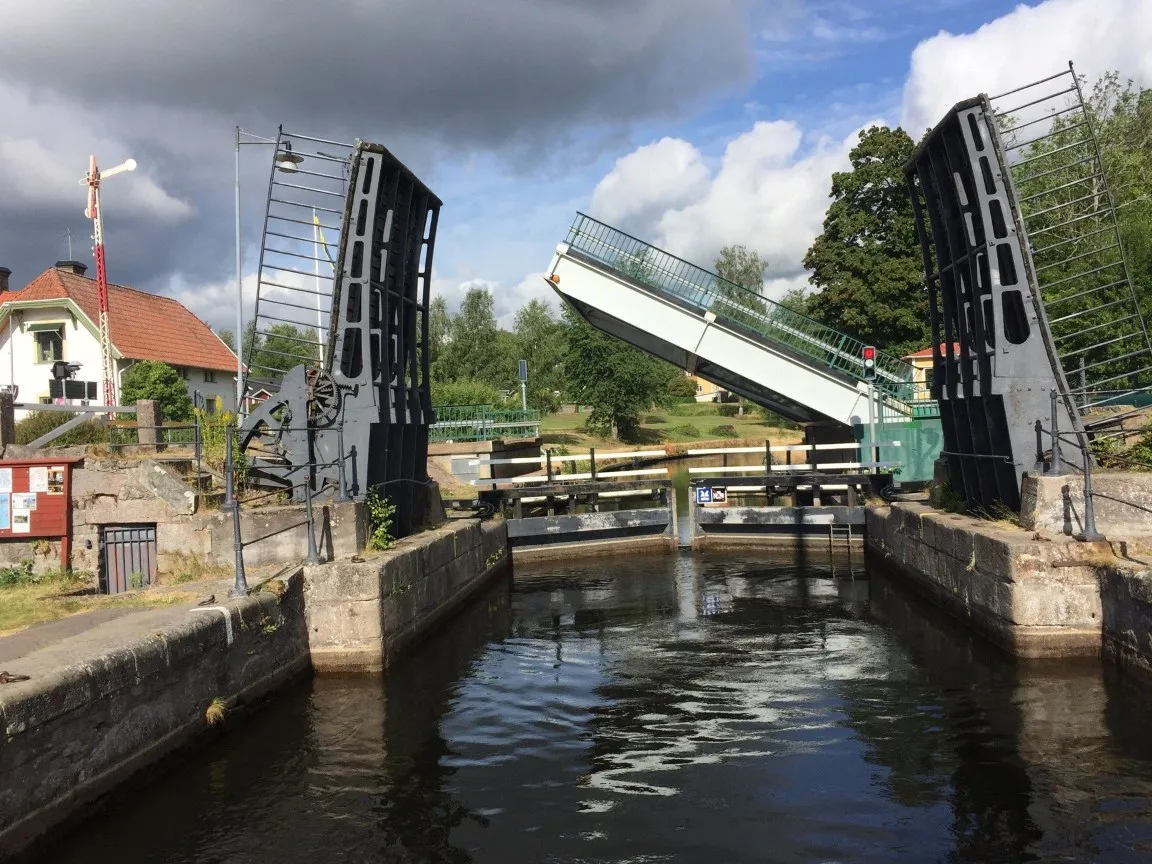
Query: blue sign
{"x": 703, "y": 494}
{"x": 5, "y": 513}
{"x": 523, "y": 370}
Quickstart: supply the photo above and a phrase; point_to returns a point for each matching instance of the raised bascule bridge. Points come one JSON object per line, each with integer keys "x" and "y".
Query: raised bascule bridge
{"x": 1034, "y": 315}
{"x": 341, "y": 326}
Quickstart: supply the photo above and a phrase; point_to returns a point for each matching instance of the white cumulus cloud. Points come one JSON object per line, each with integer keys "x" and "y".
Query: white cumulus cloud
{"x": 1027, "y": 44}
{"x": 767, "y": 192}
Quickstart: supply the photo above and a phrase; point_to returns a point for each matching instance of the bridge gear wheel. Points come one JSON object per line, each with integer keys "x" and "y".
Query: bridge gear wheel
{"x": 324, "y": 398}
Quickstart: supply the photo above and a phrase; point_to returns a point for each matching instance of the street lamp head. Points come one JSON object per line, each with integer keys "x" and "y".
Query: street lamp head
{"x": 286, "y": 160}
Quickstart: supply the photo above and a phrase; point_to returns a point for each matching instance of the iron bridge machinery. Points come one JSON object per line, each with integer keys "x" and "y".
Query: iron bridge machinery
{"x": 1035, "y": 321}
{"x": 338, "y": 348}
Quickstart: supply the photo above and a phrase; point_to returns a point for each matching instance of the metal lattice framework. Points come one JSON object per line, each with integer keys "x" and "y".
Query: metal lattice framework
{"x": 343, "y": 342}
{"x": 1026, "y": 279}
{"x": 1059, "y": 178}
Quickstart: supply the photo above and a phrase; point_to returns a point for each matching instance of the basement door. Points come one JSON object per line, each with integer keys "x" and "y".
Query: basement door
{"x": 128, "y": 555}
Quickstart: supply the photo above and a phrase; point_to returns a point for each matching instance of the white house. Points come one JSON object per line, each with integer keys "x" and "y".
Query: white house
{"x": 57, "y": 317}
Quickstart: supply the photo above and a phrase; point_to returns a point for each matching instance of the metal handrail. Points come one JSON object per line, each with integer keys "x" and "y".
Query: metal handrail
{"x": 708, "y": 292}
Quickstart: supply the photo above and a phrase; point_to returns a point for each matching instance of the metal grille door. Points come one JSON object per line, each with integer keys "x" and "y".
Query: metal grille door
{"x": 129, "y": 558}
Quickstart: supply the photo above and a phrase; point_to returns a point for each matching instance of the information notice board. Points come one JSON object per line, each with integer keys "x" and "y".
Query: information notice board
{"x": 36, "y": 501}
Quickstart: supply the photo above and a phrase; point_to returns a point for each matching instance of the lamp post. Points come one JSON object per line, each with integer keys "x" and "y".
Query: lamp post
{"x": 286, "y": 161}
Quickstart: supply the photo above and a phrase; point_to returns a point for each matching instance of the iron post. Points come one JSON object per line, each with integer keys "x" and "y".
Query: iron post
{"x": 1057, "y": 460}
{"x": 313, "y": 556}
{"x": 548, "y": 463}
{"x": 229, "y": 502}
{"x": 872, "y": 456}
{"x": 592, "y": 458}
{"x": 342, "y": 496}
{"x": 240, "y": 588}
{"x": 1090, "y": 532}
{"x": 1039, "y": 443}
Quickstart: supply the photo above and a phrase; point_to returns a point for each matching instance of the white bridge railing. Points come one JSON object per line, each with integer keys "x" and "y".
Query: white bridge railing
{"x": 546, "y": 461}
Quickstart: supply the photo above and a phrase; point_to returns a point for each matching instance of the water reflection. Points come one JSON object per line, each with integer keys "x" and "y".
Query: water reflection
{"x": 680, "y": 708}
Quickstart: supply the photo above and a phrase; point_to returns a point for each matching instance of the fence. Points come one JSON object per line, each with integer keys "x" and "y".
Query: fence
{"x": 595, "y": 467}
{"x": 482, "y": 423}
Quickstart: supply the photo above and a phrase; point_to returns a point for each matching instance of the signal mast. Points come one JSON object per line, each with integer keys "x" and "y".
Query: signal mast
{"x": 92, "y": 211}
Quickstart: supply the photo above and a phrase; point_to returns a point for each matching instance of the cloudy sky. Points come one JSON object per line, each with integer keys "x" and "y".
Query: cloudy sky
{"x": 692, "y": 123}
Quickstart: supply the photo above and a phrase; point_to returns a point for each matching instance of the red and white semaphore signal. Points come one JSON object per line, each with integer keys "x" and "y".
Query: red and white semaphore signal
{"x": 92, "y": 211}
{"x": 869, "y": 355}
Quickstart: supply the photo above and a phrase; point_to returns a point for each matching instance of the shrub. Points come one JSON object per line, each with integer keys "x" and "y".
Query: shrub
{"x": 723, "y": 431}
{"x": 151, "y": 379}
{"x": 41, "y": 422}
{"x": 380, "y": 513}
{"x": 728, "y": 410}
{"x": 654, "y": 418}
{"x": 685, "y": 430}
{"x": 465, "y": 392}
{"x": 680, "y": 385}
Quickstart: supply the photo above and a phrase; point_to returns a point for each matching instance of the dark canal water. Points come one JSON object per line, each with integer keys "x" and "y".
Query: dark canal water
{"x": 687, "y": 709}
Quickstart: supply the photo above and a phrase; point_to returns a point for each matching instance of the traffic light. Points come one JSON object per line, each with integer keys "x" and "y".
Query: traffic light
{"x": 869, "y": 355}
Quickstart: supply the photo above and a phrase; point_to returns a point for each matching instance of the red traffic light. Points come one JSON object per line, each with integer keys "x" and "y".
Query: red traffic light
{"x": 869, "y": 352}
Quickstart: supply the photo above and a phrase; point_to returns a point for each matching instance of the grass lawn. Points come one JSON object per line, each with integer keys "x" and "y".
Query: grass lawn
{"x": 26, "y": 603}
{"x": 678, "y": 424}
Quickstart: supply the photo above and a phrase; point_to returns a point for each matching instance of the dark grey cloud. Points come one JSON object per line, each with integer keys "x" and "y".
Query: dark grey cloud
{"x": 463, "y": 71}
{"x": 535, "y": 82}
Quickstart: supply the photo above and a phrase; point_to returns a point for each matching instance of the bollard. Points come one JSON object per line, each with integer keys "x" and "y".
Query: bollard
{"x": 1039, "y": 443}
{"x": 592, "y": 458}
{"x": 342, "y": 496}
{"x": 313, "y": 556}
{"x": 229, "y": 502}
{"x": 1057, "y": 460}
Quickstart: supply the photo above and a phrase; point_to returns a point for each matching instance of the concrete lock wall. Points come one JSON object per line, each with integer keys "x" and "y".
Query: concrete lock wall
{"x": 1035, "y": 598}
{"x": 76, "y": 729}
{"x": 1126, "y": 597}
{"x": 1122, "y": 502}
{"x": 363, "y": 614}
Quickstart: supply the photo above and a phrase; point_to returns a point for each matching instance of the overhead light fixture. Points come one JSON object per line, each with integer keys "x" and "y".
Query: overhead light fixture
{"x": 286, "y": 160}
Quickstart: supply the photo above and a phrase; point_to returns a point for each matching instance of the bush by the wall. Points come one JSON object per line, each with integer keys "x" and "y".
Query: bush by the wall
{"x": 41, "y": 422}
{"x": 724, "y": 431}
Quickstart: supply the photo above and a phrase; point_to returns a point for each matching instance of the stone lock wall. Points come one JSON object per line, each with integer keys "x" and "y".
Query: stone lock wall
{"x": 133, "y": 491}
{"x": 1034, "y": 597}
{"x": 364, "y": 613}
{"x": 82, "y": 724}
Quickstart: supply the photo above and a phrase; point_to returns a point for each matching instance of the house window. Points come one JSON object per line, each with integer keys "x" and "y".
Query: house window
{"x": 46, "y": 400}
{"x": 210, "y": 376}
{"x": 182, "y": 371}
{"x": 210, "y": 406}
{"x": 50, "y": 345}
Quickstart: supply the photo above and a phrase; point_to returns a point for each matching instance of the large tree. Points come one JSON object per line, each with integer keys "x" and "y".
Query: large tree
{"x": 541, "y": 340}
{"x": 867, "y": 264}
{"x": 616, "y": 381}
{"x": 471, "y": 350}
{"x": 742, "y": 272}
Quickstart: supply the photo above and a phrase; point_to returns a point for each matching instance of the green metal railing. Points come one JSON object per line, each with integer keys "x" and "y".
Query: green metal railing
{"x": 766, "y": 318}
{"x": 482, "y": 423}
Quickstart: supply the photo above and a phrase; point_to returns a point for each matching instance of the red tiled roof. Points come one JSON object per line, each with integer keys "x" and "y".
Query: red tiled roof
{"x": 926, "y": 353}
{"x": 143, "y": 326}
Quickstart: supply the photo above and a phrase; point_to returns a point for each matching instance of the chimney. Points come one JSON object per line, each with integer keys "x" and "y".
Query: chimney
{"x": 71, "y": 267}
{"x": 4, "y": 274}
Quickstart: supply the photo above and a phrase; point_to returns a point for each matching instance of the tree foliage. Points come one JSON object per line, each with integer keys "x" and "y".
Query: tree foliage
{"x": 616, "y": 381}
{"x": 866, "y": 264}
{"x": 539, "y": 337}
{"x": 151, "y": 379}
{"x": 470, "y": 349}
